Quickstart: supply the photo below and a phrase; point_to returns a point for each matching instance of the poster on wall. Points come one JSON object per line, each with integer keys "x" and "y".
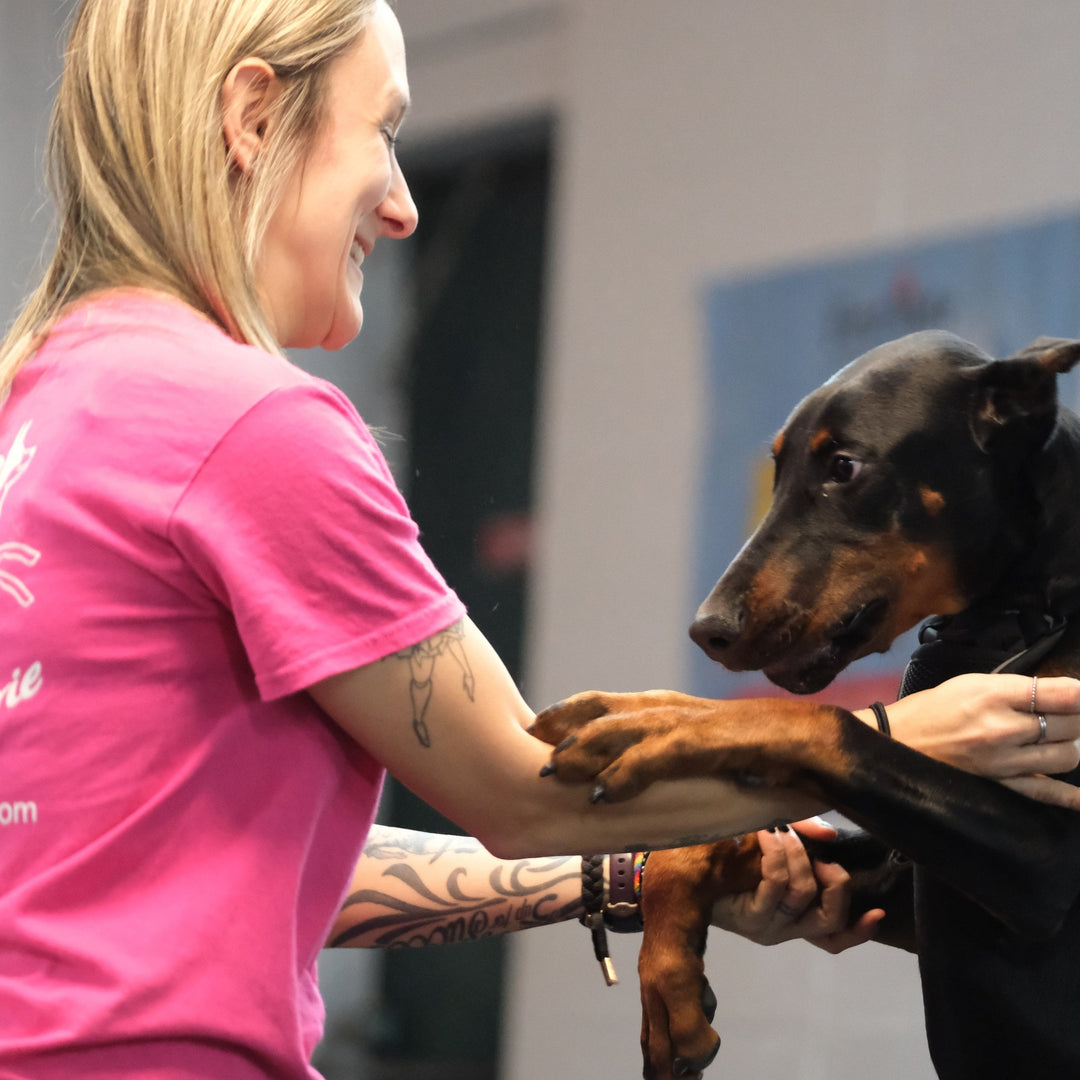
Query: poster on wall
{"x": 773, "y": 338}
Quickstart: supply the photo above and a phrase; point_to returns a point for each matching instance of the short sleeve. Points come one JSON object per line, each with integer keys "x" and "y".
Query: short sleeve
{"x": 294, "y": 523}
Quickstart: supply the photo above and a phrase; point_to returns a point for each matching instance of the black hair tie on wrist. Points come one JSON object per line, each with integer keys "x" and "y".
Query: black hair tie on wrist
{"x": 882, "y": 718}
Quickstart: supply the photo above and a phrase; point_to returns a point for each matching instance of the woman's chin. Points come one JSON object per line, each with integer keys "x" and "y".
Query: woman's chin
{"x": 344, "y": 326}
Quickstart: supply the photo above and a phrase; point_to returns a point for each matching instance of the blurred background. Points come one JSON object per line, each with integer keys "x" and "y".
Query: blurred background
{"x": 620, "y": 202}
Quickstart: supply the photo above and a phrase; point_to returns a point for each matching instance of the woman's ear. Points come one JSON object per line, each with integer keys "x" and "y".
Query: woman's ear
{"x": 248, "y": 97}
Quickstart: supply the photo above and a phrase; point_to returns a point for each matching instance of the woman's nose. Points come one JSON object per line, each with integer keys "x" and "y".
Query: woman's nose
{"x": 399, "y": 213}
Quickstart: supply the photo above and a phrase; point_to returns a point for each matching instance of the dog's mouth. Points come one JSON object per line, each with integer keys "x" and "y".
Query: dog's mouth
{"x": 857, "y": 627}
{"x": 846, "y": 640}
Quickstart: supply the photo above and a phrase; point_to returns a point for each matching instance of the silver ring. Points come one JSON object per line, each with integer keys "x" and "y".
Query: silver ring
{"x": 1034, "y": 686}
{"x": 1041, "y": 717}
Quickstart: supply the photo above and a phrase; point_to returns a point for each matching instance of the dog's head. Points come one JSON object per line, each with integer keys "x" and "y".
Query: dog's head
{"x": 899, "y": 492}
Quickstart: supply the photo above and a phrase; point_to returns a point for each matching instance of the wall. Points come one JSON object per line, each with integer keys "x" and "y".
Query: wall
{"x": 699, "y": 139}
{"x": 29, "y": 62}
{"x": 696, "y": 139}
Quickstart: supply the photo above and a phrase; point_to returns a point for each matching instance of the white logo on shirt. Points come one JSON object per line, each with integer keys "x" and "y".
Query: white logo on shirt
{"x": 12, "y": 466}
{"x": 22, "y": 685}
{"x": 18, "y": 813}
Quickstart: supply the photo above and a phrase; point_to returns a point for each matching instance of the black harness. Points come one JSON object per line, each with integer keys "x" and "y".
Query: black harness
{"x": 985, "y": 640}
{"x": 997, "y": 1007}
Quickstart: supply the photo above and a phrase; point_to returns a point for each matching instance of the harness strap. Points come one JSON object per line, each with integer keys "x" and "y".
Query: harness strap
{"x": 983, "y": 639}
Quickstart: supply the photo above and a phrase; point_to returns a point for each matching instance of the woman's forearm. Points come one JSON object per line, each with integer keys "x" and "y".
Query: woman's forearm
{"x": 413, "y": 888}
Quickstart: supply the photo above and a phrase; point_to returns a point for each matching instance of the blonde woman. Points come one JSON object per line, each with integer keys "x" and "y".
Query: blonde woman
{"x": 219, "y": 624}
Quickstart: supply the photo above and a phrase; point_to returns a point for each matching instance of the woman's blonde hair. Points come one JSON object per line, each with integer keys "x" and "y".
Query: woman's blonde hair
{"x": 146, "y": 192}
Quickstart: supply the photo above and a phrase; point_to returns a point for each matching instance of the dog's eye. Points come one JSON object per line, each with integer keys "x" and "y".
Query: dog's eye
{"x": 843, "y": 469}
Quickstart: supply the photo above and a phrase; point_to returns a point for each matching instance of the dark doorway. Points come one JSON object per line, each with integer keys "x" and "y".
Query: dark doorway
{"x": 477, "y": 271}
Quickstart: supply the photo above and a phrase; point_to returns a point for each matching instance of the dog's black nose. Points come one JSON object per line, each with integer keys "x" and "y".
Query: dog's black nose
{"x": 716, "y": 632}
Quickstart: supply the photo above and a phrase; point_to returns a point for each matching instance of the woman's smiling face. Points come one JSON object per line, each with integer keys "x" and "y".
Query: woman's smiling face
{"x": 346, "y": 193}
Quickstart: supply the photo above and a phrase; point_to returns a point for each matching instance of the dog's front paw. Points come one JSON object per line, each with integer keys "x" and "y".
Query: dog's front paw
{"x": 618, "y": 741}
{"x": 562, "y": 719}
{"x": 679, "y": 888}
{"x": 669, "y": 1046}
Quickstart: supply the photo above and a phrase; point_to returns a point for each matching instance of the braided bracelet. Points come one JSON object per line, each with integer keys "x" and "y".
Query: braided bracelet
{"x": 616, "y": 908}
{"x": 592, "y": 916}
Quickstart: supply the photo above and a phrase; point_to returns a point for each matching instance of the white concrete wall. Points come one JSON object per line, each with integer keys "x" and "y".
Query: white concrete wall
{"x": 29, "y": 62}
{"x": 696, "y": 139}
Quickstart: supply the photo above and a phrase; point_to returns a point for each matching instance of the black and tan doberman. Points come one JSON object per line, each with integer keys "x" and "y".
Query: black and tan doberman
{"x": 924, "y": 479}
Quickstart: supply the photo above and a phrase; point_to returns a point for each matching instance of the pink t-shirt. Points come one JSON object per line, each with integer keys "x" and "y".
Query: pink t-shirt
{"x": 191, "y": 532}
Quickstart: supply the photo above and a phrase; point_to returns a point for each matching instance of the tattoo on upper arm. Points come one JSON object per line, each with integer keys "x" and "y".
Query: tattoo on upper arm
{"x": 421, "y": 659}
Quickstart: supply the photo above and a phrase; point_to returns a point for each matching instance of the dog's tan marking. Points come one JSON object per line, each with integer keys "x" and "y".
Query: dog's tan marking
{"x": 768, "y": 603}
{"x": 931, "y": 589}
{"x": 917, "y": 562}
{"x": 933, "y": 501}
{"x": 821, "y": 439}
{"x": 921, "y": 583}
{"x": 771, "y": 584}
{"x": 778, "y": 445}
{"x": 781, "y": 616}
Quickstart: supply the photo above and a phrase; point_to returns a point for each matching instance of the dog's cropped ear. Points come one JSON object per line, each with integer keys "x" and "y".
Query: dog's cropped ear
{"x": 1019, "y": 394}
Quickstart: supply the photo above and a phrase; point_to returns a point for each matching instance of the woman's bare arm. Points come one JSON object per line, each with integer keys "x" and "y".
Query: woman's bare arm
{"x": 415, "y": 888}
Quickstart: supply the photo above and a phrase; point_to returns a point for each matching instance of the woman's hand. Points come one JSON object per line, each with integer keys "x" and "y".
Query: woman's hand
{"x": 796, "y": 898}
{"x": 989, "y": 724}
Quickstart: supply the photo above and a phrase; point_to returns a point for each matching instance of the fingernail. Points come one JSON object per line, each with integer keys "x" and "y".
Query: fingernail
{"x": 598, "y": 794}
{"x": 566, "y": 743}
{"x": 547, "y": 770}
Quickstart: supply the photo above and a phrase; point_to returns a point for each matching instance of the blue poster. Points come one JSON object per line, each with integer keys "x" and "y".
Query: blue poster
{"x": 773, "y": 338}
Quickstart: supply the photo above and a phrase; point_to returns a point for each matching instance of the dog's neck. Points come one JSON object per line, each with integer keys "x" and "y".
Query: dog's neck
{"x": 1039, "y": 568}
{"x": 1032, "y": 608}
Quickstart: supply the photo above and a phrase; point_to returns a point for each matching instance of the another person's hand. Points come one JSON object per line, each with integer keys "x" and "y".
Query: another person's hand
{"x": 797, "y": 897}
{"x": 986, "y": 724}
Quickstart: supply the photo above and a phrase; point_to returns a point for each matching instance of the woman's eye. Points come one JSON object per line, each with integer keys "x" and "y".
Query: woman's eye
{"x": 843, "y": 469}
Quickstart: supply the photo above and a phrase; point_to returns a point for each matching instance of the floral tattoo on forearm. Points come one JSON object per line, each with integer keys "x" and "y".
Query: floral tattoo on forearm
{"x": 431, "y": 900}
{"x": 421, "y": 659}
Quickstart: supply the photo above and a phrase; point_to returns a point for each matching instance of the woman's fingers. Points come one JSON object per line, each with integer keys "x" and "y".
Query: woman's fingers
{"x": 774, "y": 874}
{"x": 860, "y": 932}
{"x": 1047, "y": 729}
{"x": 802, "y": 885}
{"x": 985, "y": 723}
{"x": 796, "y": 898}
{"x": 1043, "y": 788}
{"x": 832, "y": 910}
{"x": 1048, "y": 757}
{"x": 815, "y": 828}
{"x": 1053, "y": 694}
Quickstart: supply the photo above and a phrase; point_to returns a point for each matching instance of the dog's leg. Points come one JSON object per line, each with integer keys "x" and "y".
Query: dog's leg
{"x": 680, "y": 887}
{"x": 1018, "y": 858}
{"x": 677, "y": 1004}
